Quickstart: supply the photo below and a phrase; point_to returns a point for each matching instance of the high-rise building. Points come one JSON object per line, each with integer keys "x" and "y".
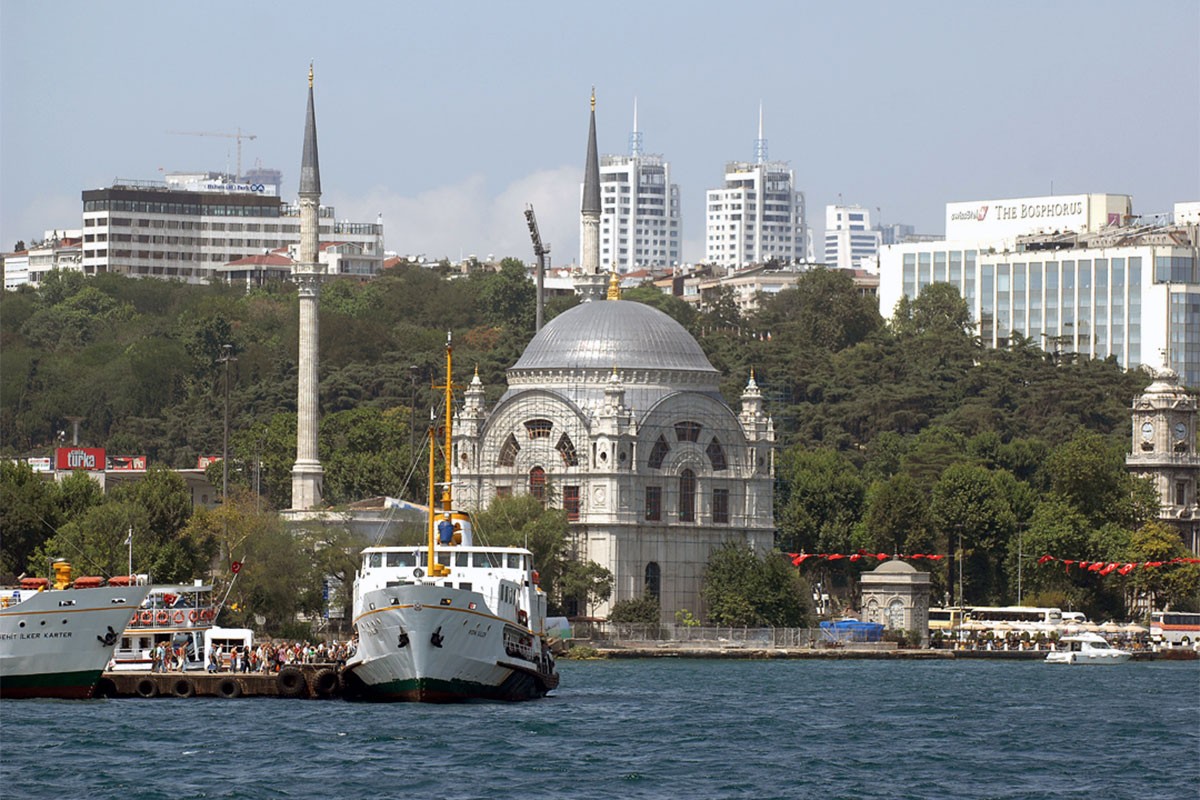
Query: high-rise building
{"x": 757, "y": 216}
{"x": 639, "y": 216}
{"x": 1069, "y": 273}
{"x": 849, "y": 237}
{"x": 189, "y": 225}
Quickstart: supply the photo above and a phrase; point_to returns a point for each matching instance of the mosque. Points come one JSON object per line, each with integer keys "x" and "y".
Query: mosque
{"x": 613, "y": 413}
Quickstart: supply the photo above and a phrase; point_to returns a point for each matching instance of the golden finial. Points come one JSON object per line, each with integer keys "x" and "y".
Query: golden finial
{"x": 310, "y": 74}
{"x": 614, "y": 286}
{"x": 593, "y": 98}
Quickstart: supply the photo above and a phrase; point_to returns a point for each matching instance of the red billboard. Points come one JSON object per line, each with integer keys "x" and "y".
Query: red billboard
{"x": 127, "y": 463}
{"x": 203, "y": 461}
{"x": 89, "y": 458}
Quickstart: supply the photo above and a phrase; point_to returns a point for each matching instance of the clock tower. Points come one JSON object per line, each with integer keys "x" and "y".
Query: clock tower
{"x": 1164, "y": 449}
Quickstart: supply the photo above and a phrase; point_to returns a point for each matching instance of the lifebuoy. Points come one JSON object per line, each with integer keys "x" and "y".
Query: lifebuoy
{"x": 147, "y": 617}
{"x": 162, "y": 616}
{"x": 291, "y": 682}
{"x": 229, "y": 688}
{"x": 178, "y": 617}
{"x": 146, "y": 687}
{"x": 206, "y": 614}
{"x": 193, "y": 615}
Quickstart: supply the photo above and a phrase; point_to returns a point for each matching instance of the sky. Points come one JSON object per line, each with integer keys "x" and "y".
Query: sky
{"x": 448, "y": 118}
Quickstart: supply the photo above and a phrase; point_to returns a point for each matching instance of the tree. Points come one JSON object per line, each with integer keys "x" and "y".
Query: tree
{"x": 819, "y": 500}
{"x": 640, "y": 611}
{"x": 896, "y": 519}
{"x": 29, "y": 515}
{"x": 970, "y": 507}
{"x": 585, "y": 582}
{"x": 522, "y": 521}
{"x": 1089, "y": 473}
{"x": 740, "y": 588}
{"x": 509, "y": 297}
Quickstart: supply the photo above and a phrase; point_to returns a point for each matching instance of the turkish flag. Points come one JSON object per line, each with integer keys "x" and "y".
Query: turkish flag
{"x": 235, "y": 567}
{"x": 1045, "y": 558}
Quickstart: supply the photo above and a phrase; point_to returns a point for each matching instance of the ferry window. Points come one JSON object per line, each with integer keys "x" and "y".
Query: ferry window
{"x": 465, "y": 585}
{"x": 462, "y": 559}
{"x": 423, "y": 556}
{"x": 525, "y": 565}
{"x": 443, "y": 559}
{"x": 375, "y": 559}
{"x": 514, "y": 560}
{"x": 486, "y": 560}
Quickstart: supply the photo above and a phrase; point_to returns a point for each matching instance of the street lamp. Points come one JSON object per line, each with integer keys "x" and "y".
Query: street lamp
{"x": 226, "y": 357}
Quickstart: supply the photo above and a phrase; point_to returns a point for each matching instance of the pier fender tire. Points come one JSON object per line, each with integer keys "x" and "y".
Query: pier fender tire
{"x": 229, "y": 688}
{"x": 325, "y": 682}
{"x": 105, "y": 688}
{"x": 146, "y": 687}
{"x": 183, "y": 688}
{"x": 291, "y": 683}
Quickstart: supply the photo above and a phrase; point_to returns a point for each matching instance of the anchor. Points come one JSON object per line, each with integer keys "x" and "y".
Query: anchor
{"x": 403, "y": 639}
{"x": 108, "y": 639}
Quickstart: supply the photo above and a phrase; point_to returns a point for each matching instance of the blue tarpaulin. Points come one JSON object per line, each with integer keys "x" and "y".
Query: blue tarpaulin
{"x": 852, "y": 630}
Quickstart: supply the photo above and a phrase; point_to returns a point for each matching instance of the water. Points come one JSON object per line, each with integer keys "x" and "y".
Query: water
{"x": 648, "y": 729}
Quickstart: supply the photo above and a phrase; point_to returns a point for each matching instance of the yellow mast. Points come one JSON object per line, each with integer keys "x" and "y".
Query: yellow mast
{"x": 449, "y": 406}
{"x": 432, "y": 488}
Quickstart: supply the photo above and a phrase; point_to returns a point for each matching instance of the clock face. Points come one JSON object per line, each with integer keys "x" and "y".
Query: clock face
{"x": 1147, "y": 431}
{"x": 1180, "y": 430}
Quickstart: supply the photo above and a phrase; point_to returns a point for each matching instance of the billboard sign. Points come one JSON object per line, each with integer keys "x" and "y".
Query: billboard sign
{"x": 988, "y": 220}
{"x": 89, "y": 458}
{"x": 126, "y": 463}
{"x": 40, "y": 463}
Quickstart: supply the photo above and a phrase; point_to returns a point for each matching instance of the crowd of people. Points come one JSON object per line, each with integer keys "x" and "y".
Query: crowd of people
{"x": 274, "y": 656}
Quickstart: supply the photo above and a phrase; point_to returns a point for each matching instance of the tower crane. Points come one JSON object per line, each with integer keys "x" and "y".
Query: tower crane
{"x": 239, "y": 136}
{"x": 541, "y": 251}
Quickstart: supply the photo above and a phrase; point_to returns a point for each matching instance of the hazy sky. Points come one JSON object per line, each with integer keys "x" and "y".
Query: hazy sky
{"x": 449, "y": 117}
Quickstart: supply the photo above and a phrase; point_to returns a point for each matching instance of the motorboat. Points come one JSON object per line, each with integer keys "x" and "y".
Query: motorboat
{"x": 1087, "y": 648}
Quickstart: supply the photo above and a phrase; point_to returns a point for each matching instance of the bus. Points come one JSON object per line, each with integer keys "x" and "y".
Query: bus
{"x": 1175, "y": 628}
{"x": 945, "y": 619}
{"x": 1015, "y": 615}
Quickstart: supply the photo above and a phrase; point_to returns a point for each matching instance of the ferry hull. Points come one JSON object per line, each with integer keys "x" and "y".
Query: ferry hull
{"x": 57, "y": 643}
{"x": 398, "y": 659}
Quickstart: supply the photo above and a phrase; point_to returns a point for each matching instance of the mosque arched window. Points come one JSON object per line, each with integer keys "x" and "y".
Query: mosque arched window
{"x": 539, "y": 428}
{"x": 566, "y": 449}
{"x": 653, "y": 583}
{"x": 537, "y": 483}
{"x": 508, "y": 452}
{"x": 716, "y": 455}
{"x": 659, "y": 453}
{"x": 687, "y": 431}
{"x": 687, "y": 496}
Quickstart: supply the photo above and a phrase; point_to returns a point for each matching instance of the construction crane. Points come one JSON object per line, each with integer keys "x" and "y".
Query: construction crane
{"x": 239, "y": 136}
{"x": 541, "y": 251}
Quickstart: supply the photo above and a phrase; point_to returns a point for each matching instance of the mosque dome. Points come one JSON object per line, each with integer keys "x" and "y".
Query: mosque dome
{"x": 614, "y": 333}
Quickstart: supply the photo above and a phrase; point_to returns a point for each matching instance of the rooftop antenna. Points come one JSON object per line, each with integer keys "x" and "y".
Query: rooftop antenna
{"x": 760, "y": 146}
{"x": 635, "y": 138}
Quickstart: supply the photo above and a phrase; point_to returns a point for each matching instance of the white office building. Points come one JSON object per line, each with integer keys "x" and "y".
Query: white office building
{"x": 640, "y": 212}
{"x": 849, "y": 237}
{"x": 1072, "y": 273}
{"x": 189, "y": 225}
{"x": 757, "y": 216}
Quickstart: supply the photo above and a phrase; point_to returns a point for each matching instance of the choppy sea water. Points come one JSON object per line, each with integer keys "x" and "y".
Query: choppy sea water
{"x": 648, "y": 729}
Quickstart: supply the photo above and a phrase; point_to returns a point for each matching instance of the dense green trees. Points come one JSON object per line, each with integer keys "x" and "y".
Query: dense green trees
{"x": 892, "y": 437}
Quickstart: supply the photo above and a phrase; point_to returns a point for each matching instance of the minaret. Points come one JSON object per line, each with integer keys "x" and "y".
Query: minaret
{"x": 307, "y": 473}
{"x": 590, "y": 210}
{"x": 591, "y": 283}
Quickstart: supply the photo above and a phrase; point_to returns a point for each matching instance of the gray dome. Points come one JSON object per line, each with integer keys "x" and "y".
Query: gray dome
{"x": 614, "y": 333}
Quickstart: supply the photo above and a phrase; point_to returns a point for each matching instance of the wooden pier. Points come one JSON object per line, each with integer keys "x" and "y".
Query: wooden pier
{"x": 298, "y": 681}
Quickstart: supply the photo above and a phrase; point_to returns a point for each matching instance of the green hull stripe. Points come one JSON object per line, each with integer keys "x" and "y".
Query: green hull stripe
{"x": 56, "y": 684}
{"x": 517, "y": 687}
